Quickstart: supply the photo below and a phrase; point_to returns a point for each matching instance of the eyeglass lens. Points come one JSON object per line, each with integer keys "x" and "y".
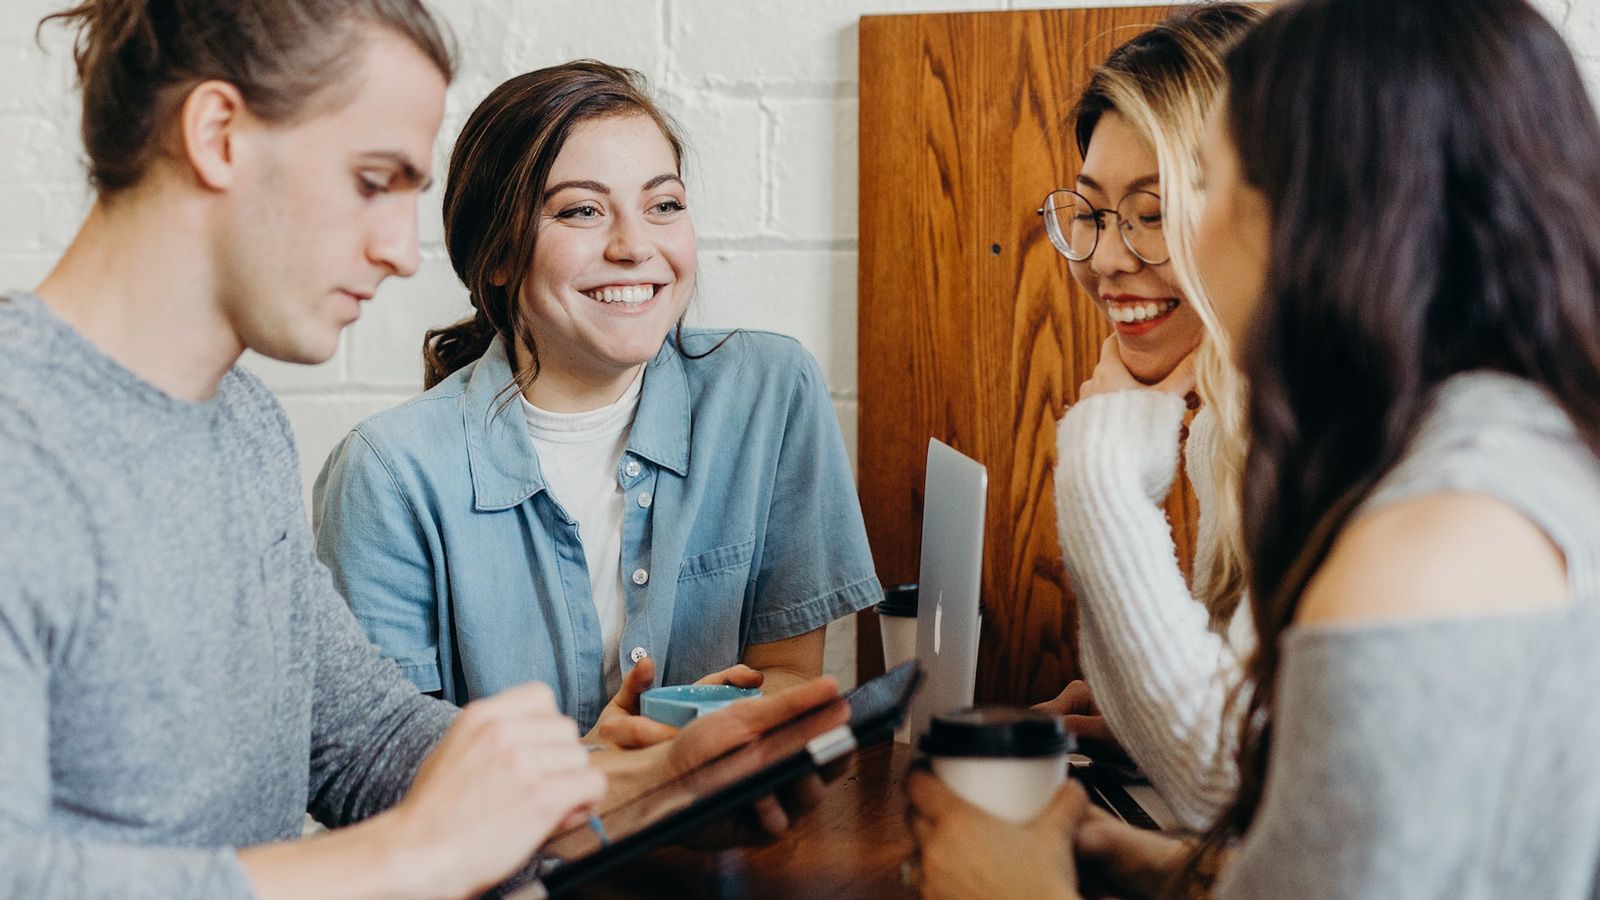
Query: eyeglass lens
{"x": 1074, "y": 225}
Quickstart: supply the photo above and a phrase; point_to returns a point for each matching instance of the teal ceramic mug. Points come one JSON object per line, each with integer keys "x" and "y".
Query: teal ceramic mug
{"x": 679, "y": 704}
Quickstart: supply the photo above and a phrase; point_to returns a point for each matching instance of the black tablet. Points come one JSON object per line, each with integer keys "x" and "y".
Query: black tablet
{"x": 780, "y": 757}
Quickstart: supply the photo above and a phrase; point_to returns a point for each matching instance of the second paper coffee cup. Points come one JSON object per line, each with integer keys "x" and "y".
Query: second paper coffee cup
{"x": 897, "y": 623}
{"x": 1004, "y": 760}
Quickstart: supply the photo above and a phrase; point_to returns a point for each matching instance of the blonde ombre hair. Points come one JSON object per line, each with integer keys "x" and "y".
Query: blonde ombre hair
{"x": 1164, "y": 82}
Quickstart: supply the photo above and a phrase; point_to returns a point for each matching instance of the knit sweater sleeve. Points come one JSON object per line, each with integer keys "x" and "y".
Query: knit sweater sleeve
{"x": 50, "y": 582}
{"x": 370, "y": 728}
{"x": 1159, "y": 673}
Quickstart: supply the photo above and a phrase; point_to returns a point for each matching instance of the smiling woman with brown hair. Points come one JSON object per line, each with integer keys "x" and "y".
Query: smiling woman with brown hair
{"x": 592, "y": 494}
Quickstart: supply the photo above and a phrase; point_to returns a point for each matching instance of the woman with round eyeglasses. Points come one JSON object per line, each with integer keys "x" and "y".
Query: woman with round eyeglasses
{"x": 1074, "y": 225}
{"x": 1159, "y": 654}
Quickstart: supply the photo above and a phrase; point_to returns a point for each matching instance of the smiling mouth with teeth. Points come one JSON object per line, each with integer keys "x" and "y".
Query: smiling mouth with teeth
{"x": 630, "y": 294}
{"x": 1130, "y": 313}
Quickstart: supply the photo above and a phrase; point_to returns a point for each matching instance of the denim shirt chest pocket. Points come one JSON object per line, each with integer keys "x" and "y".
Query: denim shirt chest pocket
{"x": 712, "y": 588}
{"x": 721, "y": 562}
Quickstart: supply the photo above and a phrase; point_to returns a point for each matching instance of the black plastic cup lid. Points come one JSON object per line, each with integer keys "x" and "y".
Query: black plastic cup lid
{"x": 996, "y": 731}
{"x": 900, "y": 600}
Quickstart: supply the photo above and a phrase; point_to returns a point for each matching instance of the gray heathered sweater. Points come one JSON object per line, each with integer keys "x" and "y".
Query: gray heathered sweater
{"x": 1456, "y": 758}
{"x": 178, "y": 676}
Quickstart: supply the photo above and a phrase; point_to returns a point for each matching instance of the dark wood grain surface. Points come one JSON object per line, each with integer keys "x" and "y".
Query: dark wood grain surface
{"x": 851, "y": 846}
{"x": 970, "y": 326}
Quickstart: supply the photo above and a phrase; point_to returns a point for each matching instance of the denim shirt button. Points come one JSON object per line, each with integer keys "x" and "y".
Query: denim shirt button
{"x": 631, "y": 469}
{"x": 637, "y": 654}
{"x": 644, "y": 499}
{"x": 640, "y": 576}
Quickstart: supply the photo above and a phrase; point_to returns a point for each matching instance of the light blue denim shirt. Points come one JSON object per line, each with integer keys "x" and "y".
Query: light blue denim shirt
{"x": 463, "y": 567}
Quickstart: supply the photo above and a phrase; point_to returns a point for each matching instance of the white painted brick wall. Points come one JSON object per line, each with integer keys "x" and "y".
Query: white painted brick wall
{"x": 766, "y": 91}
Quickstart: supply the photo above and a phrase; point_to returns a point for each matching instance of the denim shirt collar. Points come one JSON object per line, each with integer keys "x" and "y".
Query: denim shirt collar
{"x": 661, "y": 427}
{"x": 505, "y": 468}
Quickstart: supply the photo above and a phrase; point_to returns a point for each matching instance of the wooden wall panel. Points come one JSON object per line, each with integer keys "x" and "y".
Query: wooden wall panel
{"x": 971, "y": 328}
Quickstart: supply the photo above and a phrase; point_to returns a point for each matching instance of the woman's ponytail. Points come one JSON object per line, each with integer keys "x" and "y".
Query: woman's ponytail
{"x": 447, "y": 349}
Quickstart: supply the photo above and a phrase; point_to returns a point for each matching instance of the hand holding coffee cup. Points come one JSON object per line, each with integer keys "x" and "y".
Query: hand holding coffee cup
{"x": 961, "y": 853}
{"x": 1006, "y": 761}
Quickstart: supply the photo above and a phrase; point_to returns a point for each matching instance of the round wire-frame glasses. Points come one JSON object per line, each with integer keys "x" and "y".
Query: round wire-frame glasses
{"x": 1074, "y": 225}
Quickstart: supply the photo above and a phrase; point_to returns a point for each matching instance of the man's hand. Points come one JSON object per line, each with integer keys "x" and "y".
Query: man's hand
{"x": 508, "y": 772}
{"x": 726, "y": 730}
{"x": 620, "y": 723}
{"x": 731, "y": 727}
{"x": 1079, "y": 714}
{"x": 966, "y": 854}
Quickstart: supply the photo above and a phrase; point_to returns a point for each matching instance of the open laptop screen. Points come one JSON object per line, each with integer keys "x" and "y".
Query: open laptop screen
{"x": 952, "y": 568}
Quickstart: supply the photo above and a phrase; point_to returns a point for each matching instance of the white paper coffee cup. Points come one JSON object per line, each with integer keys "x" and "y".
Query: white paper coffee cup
{"x": 897, "y": 626}
{"x": 1006, "y": 761}
{"x": 899, "y": 639}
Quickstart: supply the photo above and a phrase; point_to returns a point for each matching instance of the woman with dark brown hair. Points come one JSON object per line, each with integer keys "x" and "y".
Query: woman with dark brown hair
{"x": 590, "y": 490}
{"x": 1399, "y": 235}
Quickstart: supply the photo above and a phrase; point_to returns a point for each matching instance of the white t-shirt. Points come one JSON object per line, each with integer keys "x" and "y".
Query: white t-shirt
{"x": 579, "y": 454}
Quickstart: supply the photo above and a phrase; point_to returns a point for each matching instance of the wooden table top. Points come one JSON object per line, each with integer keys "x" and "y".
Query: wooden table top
{"x": 850, "y": 846}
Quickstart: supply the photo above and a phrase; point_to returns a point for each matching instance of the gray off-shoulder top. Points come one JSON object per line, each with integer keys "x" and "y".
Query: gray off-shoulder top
{"x": 1453, "y": 758}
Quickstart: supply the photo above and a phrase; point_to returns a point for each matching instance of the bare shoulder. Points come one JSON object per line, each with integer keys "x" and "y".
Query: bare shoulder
{"x": 1444, "y": 555}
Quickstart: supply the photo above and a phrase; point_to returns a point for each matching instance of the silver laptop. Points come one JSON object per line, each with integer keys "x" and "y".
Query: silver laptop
{"x": 947, "y": 596}
{"x": 948, "y": 624}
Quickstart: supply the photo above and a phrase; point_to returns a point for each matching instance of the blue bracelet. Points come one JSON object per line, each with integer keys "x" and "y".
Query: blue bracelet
{"x": 599, "y": 830}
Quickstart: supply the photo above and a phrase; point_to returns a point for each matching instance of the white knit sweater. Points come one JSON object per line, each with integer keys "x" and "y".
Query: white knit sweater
{"x": 1159, "y": 673}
